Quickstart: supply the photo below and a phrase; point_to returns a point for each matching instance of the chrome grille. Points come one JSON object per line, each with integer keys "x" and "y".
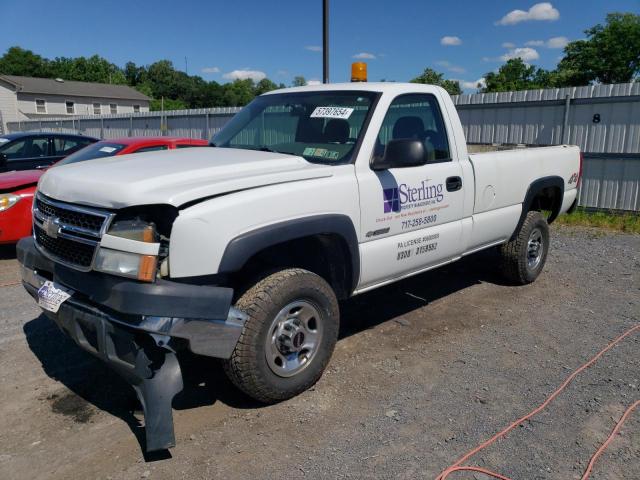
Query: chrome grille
{"x": 66, "y": 233}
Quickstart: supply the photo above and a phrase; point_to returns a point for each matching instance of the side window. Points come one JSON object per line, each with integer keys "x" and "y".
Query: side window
{"x": 15, "y": 150}
{"x": 152, "y": 148}
{"x": 41, "y": 105}
{"x": 66, "y": 146}
{"x": 415, "y": 116}
{"x": 97, "y": 109}
{"x": 39, "y": 147}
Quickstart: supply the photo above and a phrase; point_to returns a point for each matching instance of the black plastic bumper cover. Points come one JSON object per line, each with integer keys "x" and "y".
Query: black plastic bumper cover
{"x": 131, "y": 326}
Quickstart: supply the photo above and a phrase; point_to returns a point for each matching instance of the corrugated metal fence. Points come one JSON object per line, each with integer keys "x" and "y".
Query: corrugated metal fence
{"x": 603, "y": 120}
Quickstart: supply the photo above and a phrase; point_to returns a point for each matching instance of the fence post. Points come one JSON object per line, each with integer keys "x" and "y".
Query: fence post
{"x": 101, "y": 127}
{"x": 130, "y": 124}
{"x": 565, "y": 123}
{"x": 206, "y": 133}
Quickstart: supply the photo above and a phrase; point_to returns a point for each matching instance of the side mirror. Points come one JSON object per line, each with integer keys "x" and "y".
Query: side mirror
{"x": 399, "y": 153}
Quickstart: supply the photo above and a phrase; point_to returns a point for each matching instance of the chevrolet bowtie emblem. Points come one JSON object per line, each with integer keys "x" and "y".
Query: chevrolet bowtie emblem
{"x": 51, "y": 227}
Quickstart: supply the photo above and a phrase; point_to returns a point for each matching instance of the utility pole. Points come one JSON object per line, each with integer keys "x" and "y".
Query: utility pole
{"x": 325, "y": 41}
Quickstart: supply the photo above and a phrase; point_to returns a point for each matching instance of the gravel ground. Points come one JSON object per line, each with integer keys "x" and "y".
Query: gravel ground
{"x": 425, "y": 370}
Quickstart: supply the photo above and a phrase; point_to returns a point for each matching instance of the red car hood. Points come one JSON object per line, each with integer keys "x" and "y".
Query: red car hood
{"x": 14, "y": 180}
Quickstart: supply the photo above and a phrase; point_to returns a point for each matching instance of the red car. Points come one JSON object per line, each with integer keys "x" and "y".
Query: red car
{"x": 17, "y": 188}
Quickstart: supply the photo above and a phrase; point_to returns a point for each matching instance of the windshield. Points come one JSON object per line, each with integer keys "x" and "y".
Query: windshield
{"x": 322, "y": 127}
{"x": 95, "y": 150}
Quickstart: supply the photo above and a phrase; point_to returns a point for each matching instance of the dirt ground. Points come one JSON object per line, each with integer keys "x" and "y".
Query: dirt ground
{"x": 425, "y": 370}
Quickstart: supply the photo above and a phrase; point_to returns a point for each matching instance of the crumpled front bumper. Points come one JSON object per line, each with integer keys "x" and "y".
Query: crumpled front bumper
{"x": 137, "y": 328}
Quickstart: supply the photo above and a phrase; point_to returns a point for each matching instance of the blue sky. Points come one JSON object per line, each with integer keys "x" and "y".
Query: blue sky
{"x": 223, "y": 40}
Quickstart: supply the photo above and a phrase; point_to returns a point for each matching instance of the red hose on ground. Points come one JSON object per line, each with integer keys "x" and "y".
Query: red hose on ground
{"x": 456, "y": 467}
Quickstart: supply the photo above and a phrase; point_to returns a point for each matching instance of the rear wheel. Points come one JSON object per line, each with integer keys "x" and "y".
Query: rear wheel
{"x": 525, "y": 255}
{"x": 288, "y": 338}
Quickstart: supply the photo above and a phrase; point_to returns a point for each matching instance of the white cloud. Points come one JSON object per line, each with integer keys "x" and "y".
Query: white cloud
{"x": 210, "y": 70}
{"x": 540, "y": 11}
{"x": 508, "y": 45}
{"x": 555, "y": 42}
{"x": 255, "y": 75}
{"x": 314, "y": 81}
{"x": 471, "y": 85}
{"x": 282, "y": 73}
{"x": 313, "y": 48}
{"x": 526, "y": 54}
{"x": 450, "y": 41}
{"x": 449, "y": 66}
{"x": 365, "y": 56}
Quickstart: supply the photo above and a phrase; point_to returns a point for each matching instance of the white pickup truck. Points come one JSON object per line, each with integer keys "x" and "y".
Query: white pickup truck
{"x": 242, "y": 251}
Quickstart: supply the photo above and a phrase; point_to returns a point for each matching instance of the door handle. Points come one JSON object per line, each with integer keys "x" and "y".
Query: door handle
{"x": 453, "y": 184}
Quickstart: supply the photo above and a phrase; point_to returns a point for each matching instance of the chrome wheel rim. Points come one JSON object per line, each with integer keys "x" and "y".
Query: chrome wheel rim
{"x": 293, "y": 338}
{"x": 535, "y": 248}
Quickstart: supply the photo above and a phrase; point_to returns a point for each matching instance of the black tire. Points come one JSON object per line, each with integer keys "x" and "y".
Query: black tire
{"x": 517, "y": 264}
{"x": 248, "y": 368}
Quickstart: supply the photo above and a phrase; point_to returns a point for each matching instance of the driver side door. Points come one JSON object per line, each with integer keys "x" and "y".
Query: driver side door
{"x": 411, "y": 216}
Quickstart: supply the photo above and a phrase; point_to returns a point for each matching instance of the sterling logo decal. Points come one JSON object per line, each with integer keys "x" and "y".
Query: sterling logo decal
{"x": 405, "y": 196}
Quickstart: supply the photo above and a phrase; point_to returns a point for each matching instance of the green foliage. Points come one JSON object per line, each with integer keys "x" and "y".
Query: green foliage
{"x": 610, "y": 54}
{"x": 18, "y": 61}
{"x": 517, "y": 75}
{"x": 623, "y": 222}
{"x": 431, "y": 77}
{"x": 299, "y": 81}
{"x": 160, "y": 80}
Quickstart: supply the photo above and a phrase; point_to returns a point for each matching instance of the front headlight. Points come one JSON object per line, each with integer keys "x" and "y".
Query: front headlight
{"x": 134, "y": 230}
{"x": 126, "y": 264}
{"x": 8, "y": 200}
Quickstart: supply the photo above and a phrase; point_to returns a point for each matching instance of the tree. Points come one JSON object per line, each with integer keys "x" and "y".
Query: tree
{"x": 18, "y": 61}
{"x": 265, "y": 85}
{"x": 610, "y": 54}
{"x": 299, "y": 81}
{"x": 431, "y": 77}
{"x": 517, "y": 75}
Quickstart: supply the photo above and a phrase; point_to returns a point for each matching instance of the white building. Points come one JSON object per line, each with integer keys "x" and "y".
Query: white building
{"x": 24, "y": 98}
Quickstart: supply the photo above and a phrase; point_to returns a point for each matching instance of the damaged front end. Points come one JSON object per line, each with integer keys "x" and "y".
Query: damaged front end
{"x": 137, "y": 328}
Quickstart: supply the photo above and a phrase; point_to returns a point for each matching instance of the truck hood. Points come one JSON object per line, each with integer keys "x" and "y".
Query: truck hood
{"x": 174, "y": 177}
{"x": 15, "y": 180}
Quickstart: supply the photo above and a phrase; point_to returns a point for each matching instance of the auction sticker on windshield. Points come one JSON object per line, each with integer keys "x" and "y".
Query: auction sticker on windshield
{"x": 108, "y": 149}
{"x": 51, "y": 296}
{"x": 332, "y": 112}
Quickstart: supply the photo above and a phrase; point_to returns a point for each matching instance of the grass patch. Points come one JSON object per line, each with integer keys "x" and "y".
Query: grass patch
{"x": 622, "y": 222}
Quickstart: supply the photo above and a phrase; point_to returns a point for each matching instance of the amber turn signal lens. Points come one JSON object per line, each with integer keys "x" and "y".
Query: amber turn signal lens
{"x": 358, "y": 72}
{"x": 148, "y": 234}
{"x": 147, "y": 270}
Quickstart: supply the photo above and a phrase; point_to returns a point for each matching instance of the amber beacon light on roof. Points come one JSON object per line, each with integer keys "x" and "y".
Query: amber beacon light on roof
{"x": 358, "y": 72}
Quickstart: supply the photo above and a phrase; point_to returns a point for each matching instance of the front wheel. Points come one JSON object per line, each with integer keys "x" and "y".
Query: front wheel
{"x": 288, "y": 338}
{"x": 525, "y": 255}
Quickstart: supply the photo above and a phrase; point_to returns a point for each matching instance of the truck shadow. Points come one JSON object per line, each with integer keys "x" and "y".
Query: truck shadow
{"x": 204, "y": 381}
{"x": 7, "y": 252}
